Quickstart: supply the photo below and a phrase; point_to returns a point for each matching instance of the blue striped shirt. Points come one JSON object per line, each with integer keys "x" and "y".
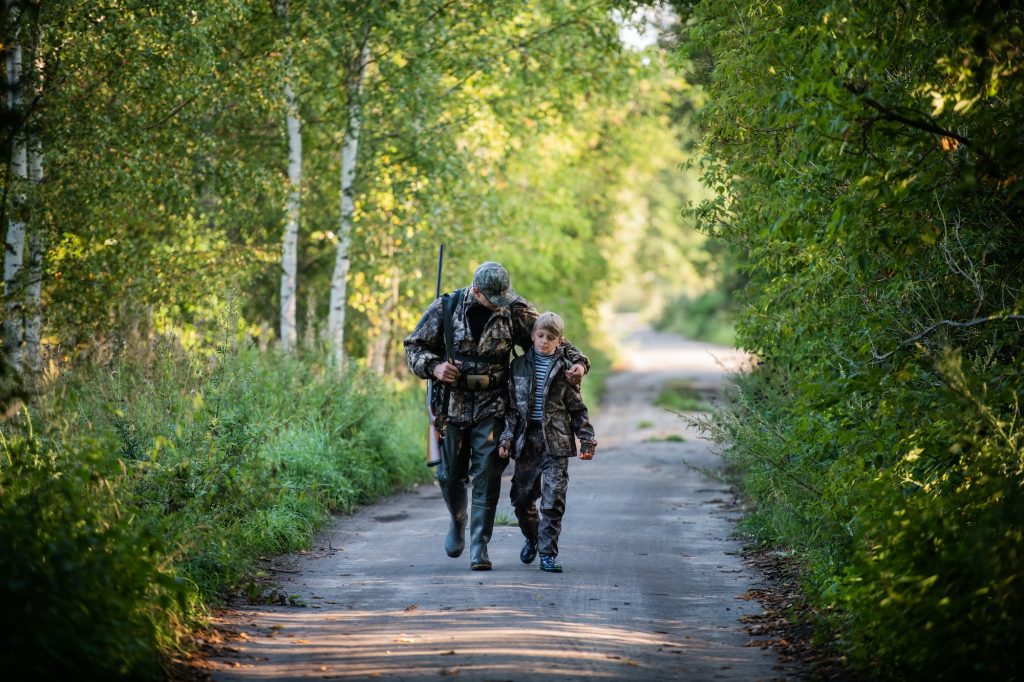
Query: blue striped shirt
{"x": 541, "y": 365}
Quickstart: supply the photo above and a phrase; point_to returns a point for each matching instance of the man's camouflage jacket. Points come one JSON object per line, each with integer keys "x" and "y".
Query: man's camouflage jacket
{"x": 509, "y": 326}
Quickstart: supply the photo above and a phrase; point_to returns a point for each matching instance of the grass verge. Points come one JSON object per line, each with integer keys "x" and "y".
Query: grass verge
{"x": 134, "y": 495}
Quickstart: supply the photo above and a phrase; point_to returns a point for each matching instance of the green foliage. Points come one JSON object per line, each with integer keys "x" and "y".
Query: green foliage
{"x": 864, "y": 159}
{"x": 86, "y": 590}
{"x": 155, "y": 482}
{"x": 503, "y": 518}
{"x": 159, "y": 198}
{"x": 680, "y": 396}
{"x": 705, "y": 317}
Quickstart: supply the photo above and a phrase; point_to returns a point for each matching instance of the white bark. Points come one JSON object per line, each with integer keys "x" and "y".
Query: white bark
{"x": 290, "y": 240}
{"x": 15, "y": 241}
{"x": 34, "y": 288}
{"x": 36, "y": 250}
{"x": 342, "y": 263}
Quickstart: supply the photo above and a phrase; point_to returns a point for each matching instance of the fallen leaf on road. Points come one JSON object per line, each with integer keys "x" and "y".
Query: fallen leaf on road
{"x": 448, "y": 672}
{"x": 411, "y": 607}
{"x": 447, "y": 653}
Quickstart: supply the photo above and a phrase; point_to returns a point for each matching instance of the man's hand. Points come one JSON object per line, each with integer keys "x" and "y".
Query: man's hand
{"x": 575, "y": 374}
{"x": 503, "y": 450}
{"x": 447, "y": 372}
{"x": 587, "y": 455}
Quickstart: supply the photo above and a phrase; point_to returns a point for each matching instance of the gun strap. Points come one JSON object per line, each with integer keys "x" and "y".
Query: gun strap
{"x": 449, "y": 303}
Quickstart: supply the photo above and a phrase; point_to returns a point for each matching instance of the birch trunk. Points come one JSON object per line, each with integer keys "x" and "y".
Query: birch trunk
{"x": 290, "y": 238}
{"x": 342, "y": 263}
{"x": 34, "y": 288}
{"x": 15, "y": 241}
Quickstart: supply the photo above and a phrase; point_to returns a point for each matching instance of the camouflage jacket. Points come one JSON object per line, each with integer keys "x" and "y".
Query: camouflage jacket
{"x": 507, "y": 327}
{"x": 565, "y": 417}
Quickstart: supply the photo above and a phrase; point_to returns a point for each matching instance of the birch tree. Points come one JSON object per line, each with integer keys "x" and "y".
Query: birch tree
{"x": 349, "y": 156}
{"x": 34, "y": 285}
{"x": 15, "y": 241}
{"x": 290, "y": 239}
{"x": 36, "y": 245}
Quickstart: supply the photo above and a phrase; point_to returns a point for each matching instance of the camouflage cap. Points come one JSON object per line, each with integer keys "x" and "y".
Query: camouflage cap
{"x": 493, "y": 282}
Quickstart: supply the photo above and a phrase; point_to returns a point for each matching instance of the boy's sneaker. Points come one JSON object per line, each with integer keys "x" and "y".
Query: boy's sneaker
{"x": 548, "y": 563}
{"x": 529, "y": 552}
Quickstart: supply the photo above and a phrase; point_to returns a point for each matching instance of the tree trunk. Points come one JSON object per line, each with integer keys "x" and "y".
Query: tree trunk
{"x": 36, "y": 250}
{"x": 349, "y": 153}
{"x": 290, "y": 239}
{"x": 33, "y": 301}
{"x": 15, "y": 241}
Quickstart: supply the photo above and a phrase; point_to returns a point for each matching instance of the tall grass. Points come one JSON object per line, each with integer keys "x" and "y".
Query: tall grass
{"x": 135, "y": 494}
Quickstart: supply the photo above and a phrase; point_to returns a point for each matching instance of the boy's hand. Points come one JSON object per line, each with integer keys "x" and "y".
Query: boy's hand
{"x": 503, "y": 450}
{"x": 447, "y": 372}
{"x": 575, "y": 374}
{"x": 587, "y": 455}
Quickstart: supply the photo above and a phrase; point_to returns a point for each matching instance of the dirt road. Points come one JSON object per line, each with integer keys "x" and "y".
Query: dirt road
{"x": 650, "y": 589}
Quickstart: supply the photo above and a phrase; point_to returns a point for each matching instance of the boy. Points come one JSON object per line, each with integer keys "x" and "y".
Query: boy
{"x": 545, "y": 415}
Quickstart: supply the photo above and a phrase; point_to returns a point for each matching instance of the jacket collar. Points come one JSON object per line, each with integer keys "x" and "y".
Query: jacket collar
{"x": 555, "y": 357}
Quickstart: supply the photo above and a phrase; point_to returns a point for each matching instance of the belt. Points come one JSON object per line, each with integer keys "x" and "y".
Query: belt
{"x": 480, "y": 382}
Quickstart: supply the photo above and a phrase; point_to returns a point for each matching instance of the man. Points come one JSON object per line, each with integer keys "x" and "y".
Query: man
{"x": 488, "y": 318}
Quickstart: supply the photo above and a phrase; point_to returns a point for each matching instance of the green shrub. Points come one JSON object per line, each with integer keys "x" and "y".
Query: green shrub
{"x": 910, "y": 526}
{"x": 154, "y": 484}
{"x": 938, "y": 556}
{"x": 86, "y": 589}
{"x": 881, "y": 437}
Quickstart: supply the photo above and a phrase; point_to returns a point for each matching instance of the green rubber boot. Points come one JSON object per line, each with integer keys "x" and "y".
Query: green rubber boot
{"x": 481, "y": 524}
{"x": 455, "y": 540}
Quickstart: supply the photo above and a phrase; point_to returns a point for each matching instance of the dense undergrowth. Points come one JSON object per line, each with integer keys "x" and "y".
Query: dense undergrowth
{"x": 866, "y": 160}
{"x": 135, "y": 493}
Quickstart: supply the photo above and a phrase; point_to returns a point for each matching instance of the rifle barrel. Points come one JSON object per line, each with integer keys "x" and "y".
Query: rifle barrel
{"x": 440, "y": 263}
{"x": 433, "y": 446}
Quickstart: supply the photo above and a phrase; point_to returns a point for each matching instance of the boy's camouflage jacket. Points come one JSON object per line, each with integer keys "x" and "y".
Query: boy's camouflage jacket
{"x": 565, "y": 416}
{"x": 512, "y": 325}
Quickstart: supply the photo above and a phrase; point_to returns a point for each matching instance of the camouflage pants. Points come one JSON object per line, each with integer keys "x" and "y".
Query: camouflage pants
{"x": 539, "y": 475}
